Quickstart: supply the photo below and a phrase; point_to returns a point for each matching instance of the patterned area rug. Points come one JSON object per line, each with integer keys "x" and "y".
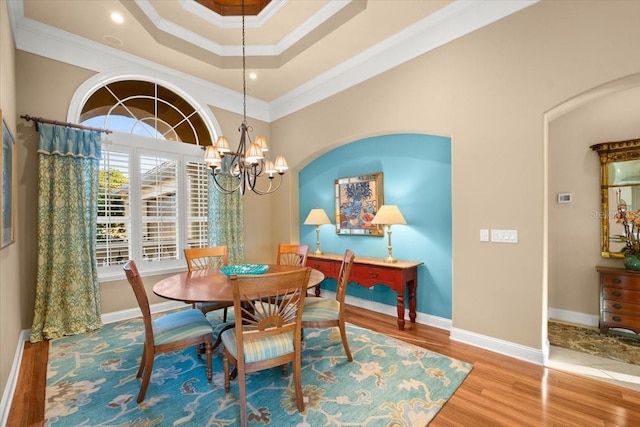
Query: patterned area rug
{"x": 91, "y": 382}
{"x": 620, "y": 346}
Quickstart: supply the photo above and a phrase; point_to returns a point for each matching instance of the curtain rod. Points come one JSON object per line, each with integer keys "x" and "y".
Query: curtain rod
{"x": 66, "y": 124}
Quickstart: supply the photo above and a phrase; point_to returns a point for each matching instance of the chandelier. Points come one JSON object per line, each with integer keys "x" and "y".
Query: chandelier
{"x": 247, "y": 167}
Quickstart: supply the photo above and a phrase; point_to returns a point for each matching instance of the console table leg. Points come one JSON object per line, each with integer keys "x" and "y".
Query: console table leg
{"x": 412, "y": 301}
{"x": 400, "y": 311}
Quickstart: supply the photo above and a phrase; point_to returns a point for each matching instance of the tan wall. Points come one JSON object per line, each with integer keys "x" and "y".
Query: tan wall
{"x": 489, "y": 91}
{"x": 11, "y": 268}
{"x": 574, "y": 229}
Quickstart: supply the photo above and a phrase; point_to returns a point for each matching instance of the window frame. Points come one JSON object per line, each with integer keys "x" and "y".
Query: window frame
{"x": 137, "y": 146}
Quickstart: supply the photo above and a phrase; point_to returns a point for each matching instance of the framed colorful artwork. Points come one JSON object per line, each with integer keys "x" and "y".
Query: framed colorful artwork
{"x": 7, "y": 198}
{"x": 358, "y": 198}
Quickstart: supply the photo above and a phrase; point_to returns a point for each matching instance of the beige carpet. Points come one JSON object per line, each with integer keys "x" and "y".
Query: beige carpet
{"x": 620, "y": 346}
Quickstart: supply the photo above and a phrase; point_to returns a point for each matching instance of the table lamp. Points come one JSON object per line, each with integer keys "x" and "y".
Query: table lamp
{"x": 388, "y": 215}
{"x": 317, "y": 217}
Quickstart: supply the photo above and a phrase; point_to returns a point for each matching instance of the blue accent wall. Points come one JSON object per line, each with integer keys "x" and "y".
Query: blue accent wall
{"x": 417, "y": 177}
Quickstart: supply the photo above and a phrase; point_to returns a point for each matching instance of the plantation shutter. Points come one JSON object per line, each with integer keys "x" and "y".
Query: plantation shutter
{"x": 114, "y": 210}
{"x": 197, "y": 204}
{"x": 159, "y": 208}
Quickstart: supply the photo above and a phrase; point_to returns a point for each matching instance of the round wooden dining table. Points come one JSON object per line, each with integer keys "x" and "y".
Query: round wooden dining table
{"x": 213, "y": 285}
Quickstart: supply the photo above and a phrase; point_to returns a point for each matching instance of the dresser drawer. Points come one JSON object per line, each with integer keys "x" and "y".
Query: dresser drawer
{"x": 627, "y": 281}
{"x": 619, "y": 294}
{"x": 616, "y": 320}
{"x": 621, "y": 307}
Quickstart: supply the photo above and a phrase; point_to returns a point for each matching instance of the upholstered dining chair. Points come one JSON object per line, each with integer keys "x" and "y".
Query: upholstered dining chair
{"x": 267, "y": 334}
{"x": 167, "y": 333}
{"x": 321, "y": 312}
{"x": 202, "y": 259}
{"x": 292, "y": 254}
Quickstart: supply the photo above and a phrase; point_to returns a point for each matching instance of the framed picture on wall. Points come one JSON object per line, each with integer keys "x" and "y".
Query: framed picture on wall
{"x": 7, "y": 198}
{"x": 358, "y": 198}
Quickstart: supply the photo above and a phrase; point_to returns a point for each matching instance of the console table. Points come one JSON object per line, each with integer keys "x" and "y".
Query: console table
{"x": 367, "y": 272}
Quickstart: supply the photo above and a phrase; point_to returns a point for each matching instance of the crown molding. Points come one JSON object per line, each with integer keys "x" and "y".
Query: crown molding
{"x": 459, "y": 18}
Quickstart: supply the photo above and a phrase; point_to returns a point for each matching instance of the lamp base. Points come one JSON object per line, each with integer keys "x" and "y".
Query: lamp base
{"x": 317, "y": 252}
{"x": 390, "y": 259}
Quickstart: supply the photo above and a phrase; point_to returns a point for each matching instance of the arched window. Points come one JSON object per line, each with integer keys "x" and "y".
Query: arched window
{"x": 153, "y": 193}
{"x": 146, "y": 109}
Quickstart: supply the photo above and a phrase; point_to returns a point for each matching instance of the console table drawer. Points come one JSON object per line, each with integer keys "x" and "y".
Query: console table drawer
{"x": 368, "y": 276}
{"x": 326, "y": 267}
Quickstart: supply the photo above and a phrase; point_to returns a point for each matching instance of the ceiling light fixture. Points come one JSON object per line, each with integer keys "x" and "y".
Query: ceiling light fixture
{"x": 240, "y": 170}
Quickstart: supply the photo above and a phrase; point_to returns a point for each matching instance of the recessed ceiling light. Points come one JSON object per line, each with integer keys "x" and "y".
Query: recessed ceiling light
{"x": 117, "y": 18}
{"x": 253, "y": 76}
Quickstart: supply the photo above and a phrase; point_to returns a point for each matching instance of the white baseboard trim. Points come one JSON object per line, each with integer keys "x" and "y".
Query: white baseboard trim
{"x": 592, "y": 320}
{"x": 528, "y": 354}
{"x": 507, "y": 348}
{"x": 425, "y": 319}
{"x": 10, "y": 388}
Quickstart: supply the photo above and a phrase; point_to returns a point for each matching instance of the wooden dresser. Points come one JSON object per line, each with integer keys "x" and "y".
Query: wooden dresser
{"x": 400, "y": 276}
{"x": 619, "y": 299}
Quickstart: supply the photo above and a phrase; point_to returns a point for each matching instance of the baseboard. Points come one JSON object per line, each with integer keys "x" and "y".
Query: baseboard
{"x": 10, "y": 388}
{"x": 592, "y": 320}
{"x": 507, "y": 348}
{"x": 424, "y": 319}
{"x": 528, "y": 354}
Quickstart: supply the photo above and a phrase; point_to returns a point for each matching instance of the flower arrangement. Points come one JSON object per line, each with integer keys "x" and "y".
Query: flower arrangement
{"x": 630, "y": 220}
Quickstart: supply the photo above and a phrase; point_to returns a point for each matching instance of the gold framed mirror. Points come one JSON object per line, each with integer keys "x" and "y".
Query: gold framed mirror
{"x": 619, "y": 187}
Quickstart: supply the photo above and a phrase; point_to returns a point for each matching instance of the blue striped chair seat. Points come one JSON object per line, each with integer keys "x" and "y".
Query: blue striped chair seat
{"x": 180, "y": 325}
{"x": 259, "y": 349}
{"x": 318, "y": 309}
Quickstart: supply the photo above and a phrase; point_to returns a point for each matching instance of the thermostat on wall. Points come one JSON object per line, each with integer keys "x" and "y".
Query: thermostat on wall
{"x": 564, "y": 198}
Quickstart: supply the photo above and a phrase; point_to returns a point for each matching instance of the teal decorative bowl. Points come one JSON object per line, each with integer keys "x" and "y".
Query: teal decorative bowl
{"x": 239, "y": 269}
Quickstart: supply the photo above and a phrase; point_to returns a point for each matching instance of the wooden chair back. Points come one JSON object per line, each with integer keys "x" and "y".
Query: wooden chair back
{"x": 270, "y": 303}
{"x": 292, "y": 254}
{"x": 134, "y": 279}
{"x": 343, "y": 277}
{"x": 204, "y": 258}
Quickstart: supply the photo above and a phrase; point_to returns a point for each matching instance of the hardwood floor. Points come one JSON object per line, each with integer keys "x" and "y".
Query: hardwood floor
{"x": 500, "y": 391}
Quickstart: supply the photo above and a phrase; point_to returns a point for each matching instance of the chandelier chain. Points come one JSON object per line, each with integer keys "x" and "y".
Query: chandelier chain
{"x": 244, "y": 72}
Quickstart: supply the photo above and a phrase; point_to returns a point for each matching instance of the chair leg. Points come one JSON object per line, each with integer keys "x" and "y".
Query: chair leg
{"x": 345, "y": 343}
{"x": 209, "y": 354}
{"x": 142, "y": 360}
{"x": 225, "y": 366}
{"x": 297, "y": 381}
{"x": 147, "y": 375}
{"x": 224, "y": 315}
{"x": 242, "y": 390}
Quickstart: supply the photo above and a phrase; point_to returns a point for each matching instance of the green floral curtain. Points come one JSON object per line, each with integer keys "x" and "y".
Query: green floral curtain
{"x": 226, "y": 217}
{"x": 67, "y": 291}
